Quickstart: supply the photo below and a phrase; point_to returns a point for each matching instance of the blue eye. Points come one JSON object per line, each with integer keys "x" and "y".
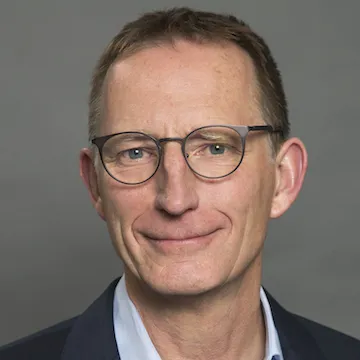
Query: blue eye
{"x": 217, "y": 149}
{"x": 135, "y": 154}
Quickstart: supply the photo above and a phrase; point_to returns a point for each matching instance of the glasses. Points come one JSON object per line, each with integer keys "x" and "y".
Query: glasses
{"x": 212, "y": 152}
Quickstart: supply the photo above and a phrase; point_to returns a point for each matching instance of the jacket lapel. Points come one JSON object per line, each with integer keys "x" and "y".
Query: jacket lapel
{"x": 296, "y": 342}
{"x": 92, "y": 336}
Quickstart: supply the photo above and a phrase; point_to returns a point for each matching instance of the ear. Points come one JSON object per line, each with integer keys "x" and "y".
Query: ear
{"x": 291, "y": 165}
{"x": 90, "y": 179}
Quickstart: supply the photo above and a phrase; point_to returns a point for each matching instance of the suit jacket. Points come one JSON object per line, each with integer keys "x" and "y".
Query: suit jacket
{"x": 90, "y": 336}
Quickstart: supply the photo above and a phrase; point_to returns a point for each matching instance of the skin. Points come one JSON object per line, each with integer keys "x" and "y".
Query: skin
{"x": 198, "y": 298}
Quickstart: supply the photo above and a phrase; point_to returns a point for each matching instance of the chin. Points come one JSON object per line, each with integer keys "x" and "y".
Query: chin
{"x": 183, "y": 281}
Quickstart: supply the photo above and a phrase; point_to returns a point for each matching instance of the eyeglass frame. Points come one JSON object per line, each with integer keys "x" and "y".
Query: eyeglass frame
{"x": 242, "y": 130}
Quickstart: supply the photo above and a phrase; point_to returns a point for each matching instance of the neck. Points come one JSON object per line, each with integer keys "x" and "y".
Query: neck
{"x": 224, "y": 323}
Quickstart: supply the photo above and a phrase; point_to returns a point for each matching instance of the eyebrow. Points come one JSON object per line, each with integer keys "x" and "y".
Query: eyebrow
{"x": 210, "y": 135}
{"x": 134, "y": 137}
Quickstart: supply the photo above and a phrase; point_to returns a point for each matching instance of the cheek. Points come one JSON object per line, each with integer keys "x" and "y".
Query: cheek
{"x": 122, "y": 206}
{"x": 258, "y": 199}
{"x": 248, "y": 205}
{"x": 234, "y": 194}
{"x": 245, "y": 198}
{"x": 123, "y": 203}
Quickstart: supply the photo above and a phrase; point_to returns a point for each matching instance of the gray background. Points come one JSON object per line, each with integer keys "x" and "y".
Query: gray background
{"x": 55, "y": 254}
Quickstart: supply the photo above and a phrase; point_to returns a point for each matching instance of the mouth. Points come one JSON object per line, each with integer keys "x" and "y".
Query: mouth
{"x": 166, "y": 243}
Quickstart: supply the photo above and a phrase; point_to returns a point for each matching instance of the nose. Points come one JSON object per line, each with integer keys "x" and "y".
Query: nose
{"x": 176, "y": 190}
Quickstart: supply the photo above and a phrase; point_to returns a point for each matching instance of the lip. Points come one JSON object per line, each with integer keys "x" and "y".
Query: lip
{"x": 190, "y": 242}
{"x": 184, "y": 236}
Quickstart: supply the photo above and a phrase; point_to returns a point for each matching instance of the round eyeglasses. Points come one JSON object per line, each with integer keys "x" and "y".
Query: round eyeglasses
{"x": 212, "y": 151}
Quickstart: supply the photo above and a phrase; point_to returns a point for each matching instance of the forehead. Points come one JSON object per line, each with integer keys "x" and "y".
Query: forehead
{"x": 181, "y": 84}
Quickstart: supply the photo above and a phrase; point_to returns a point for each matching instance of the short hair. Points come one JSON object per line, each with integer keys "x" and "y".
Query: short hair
{"x": 201, "y": 27}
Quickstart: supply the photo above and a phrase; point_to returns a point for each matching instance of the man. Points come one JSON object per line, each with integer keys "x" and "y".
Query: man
{"x": 190, "y": 158}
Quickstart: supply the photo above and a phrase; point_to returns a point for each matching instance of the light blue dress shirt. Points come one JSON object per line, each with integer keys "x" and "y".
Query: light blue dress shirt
{"x": 134, "y": 343}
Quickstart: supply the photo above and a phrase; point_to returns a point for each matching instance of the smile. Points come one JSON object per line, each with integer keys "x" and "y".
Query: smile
{"x": 191, "y": 242}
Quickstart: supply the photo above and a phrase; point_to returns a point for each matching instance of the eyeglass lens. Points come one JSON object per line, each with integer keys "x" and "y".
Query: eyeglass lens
{"x": 211, "y": 152}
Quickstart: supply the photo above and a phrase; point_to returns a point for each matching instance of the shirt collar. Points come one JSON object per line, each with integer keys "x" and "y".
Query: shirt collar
{"x": 130, "y": 330}
{"x": 272, "y": 347}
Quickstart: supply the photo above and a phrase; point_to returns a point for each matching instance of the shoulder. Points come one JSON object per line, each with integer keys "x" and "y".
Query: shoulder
{"x": 334, "y": 344}
{"x": 89, "y": 333}
{"x": 302, "y": 338}
{"x": 45, "y": 344}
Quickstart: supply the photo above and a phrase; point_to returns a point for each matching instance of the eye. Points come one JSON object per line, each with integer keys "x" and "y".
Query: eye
{"x": 135, "y": 154}
{"x": 216, "y": 149}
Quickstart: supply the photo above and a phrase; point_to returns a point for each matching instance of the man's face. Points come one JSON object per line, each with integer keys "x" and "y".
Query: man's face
{"x": 178, "y": 232}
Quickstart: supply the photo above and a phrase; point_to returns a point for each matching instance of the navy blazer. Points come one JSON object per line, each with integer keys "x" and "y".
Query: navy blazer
{"x": 90, "y": 336}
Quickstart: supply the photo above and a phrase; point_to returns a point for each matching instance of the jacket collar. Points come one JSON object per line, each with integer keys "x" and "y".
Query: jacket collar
{"x": 296, "y": 342}
{"x": 92, "y": 336}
